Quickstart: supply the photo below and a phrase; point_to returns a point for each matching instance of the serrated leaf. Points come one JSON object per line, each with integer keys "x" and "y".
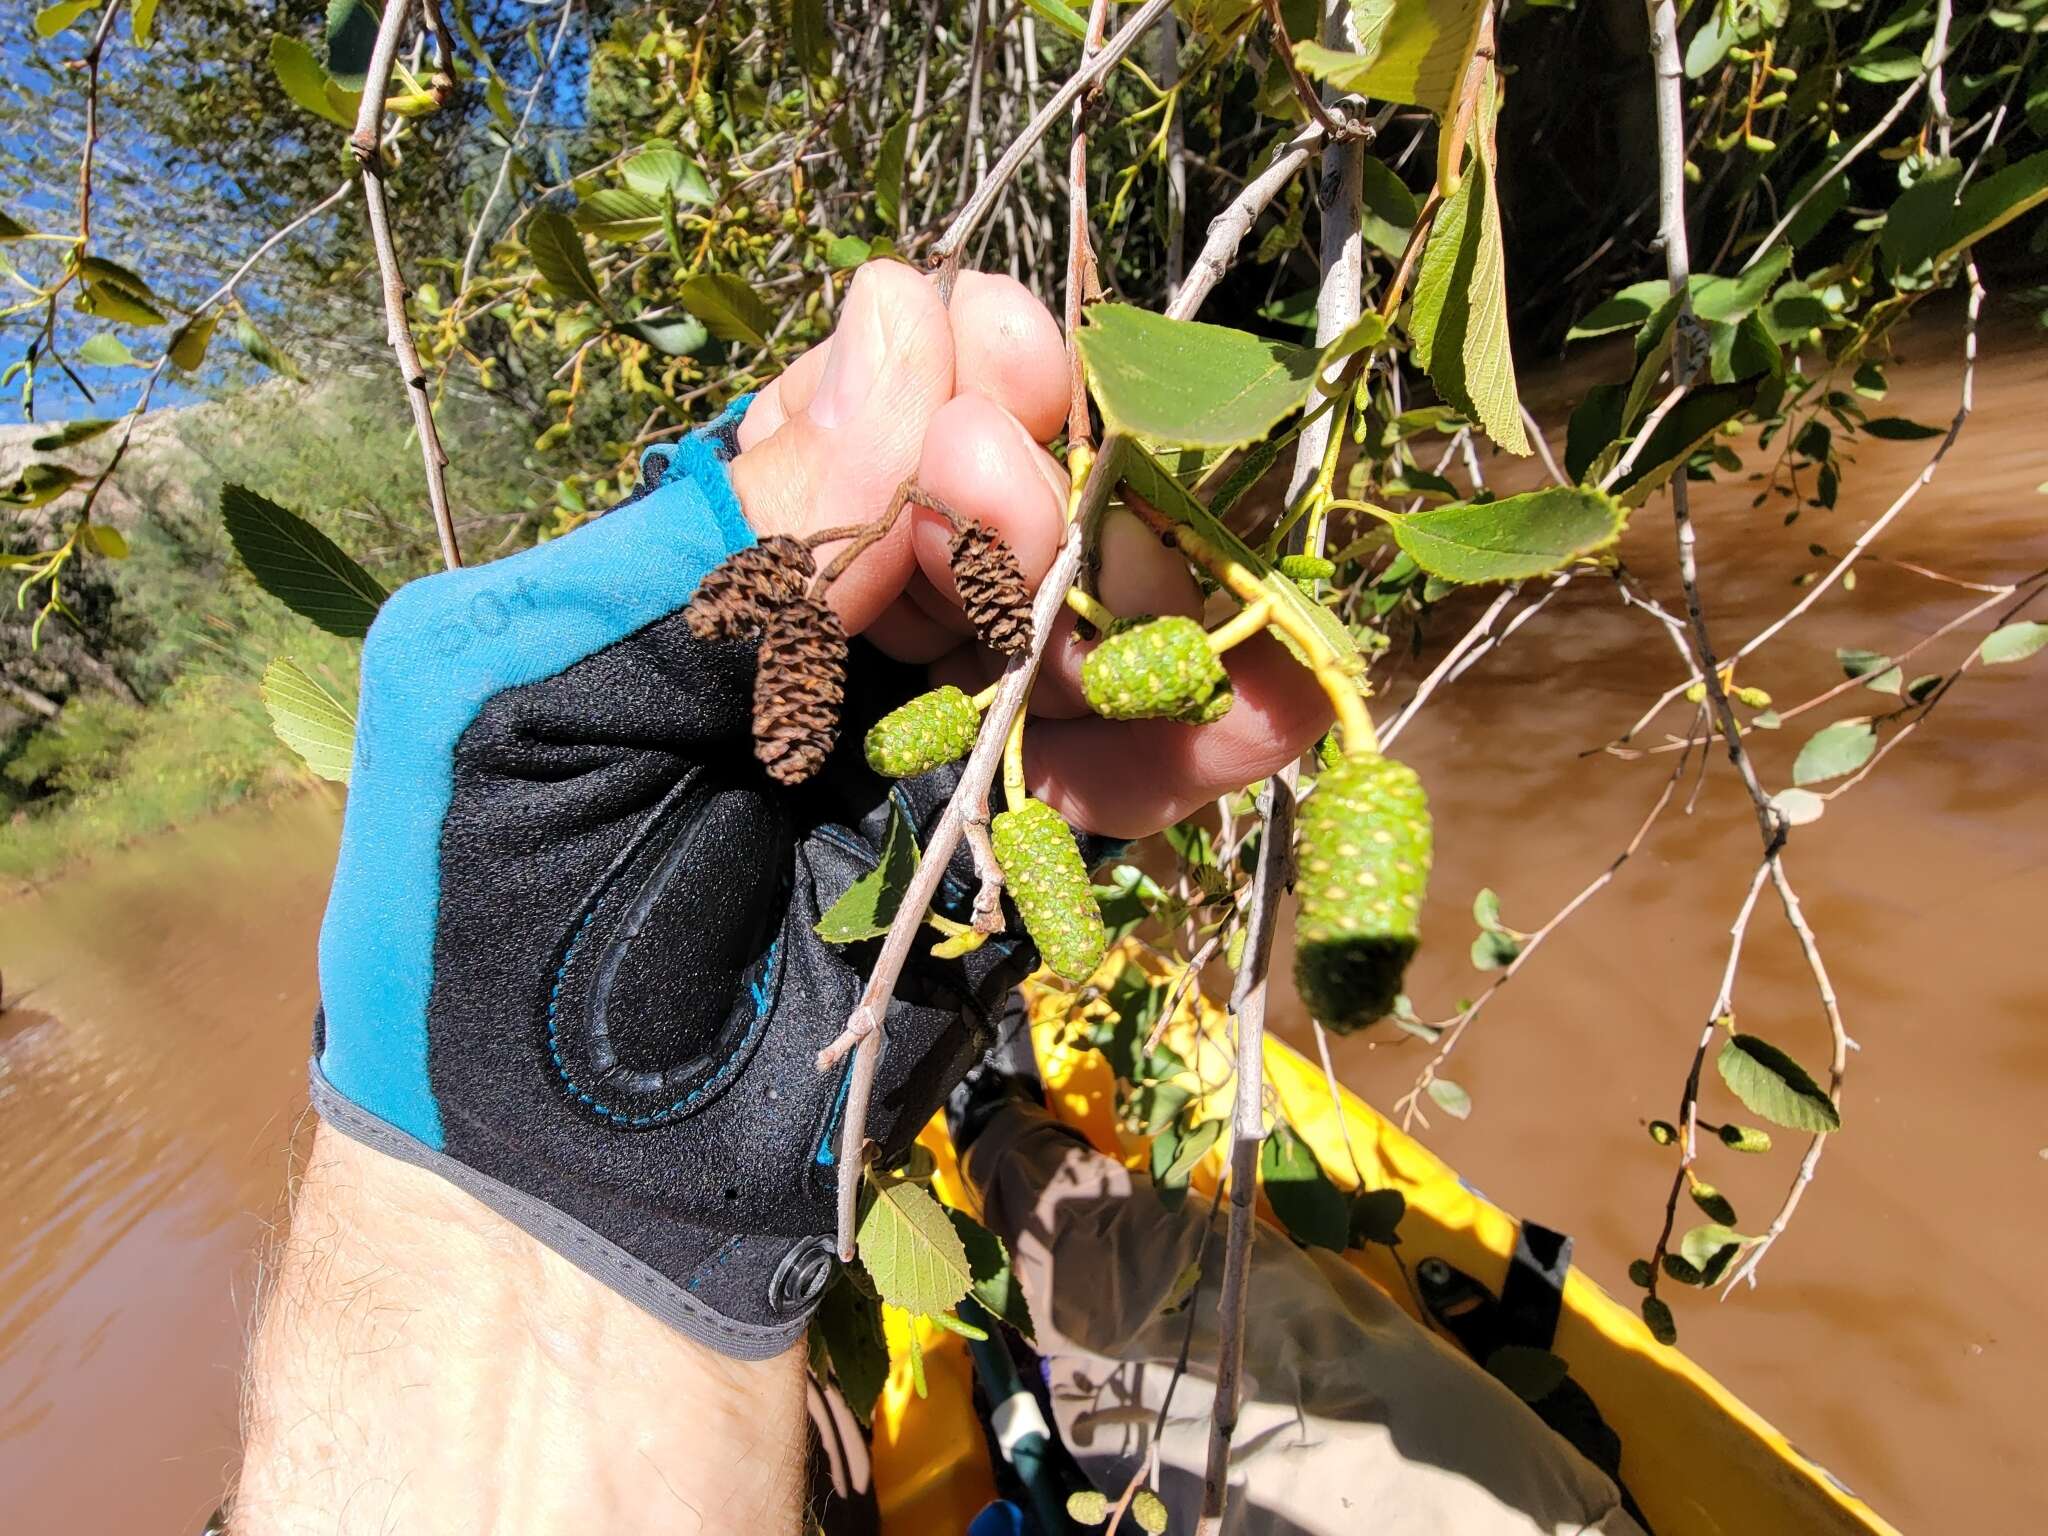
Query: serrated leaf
{"x": 1184, "y": 383}
{"x": 2012, "y": 642}
{"x": 911, "y": 1251}
{"x": 309, "y": 719}
{"x": 1459, "y": 317}
{"x": 889, "y": 174}
{"x": 1309, "y": 1206}
{"x": 1834, "y": 750}
{"x": 870, "y": 903}
{"x": 189, "y": 344}
{"x": 995, "y": 1284}
{"x": 299, "y": 565}
{"x": 1507, "y": 540}
{"x": 304, "y": 81}
{"x": 856, "y": 1344}
{"x": 1450, "y": 1098}
{"x": 557, "y": 251}
{"x": 1771, "y": 1084}
{"x": 69, "y": 435}
{"x": 731, "y": 308}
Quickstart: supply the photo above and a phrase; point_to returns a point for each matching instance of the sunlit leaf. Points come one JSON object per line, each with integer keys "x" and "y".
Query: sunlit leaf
{"x": 660, "y": 168}
{"x": 108, "y": 542}
{"x": 309, "y": 719}
{"x": 38, "y": 484}
{"x": 1413, "y": 52}
{"x": 189, "y": 343}
{"x": 910, "y": 1249}
{"x": 1459, "y": 317}
{"x": 107, "y": 351}
{"x": 619, "y": 214}
{"x": 1450, "y": 1098}
{"x": 304, "y": 81}
{"x": 2013, "y": 642}
{"x": 1771, "y": 1084}
{"x": 1835, "y": 750}
{"x": 1507, "y": 540}
{"x": 52, "y": 19}
{"x": 1183, "y": 383}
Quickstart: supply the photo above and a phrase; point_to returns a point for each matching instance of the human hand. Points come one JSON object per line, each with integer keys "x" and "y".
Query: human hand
{"x": 964, "y": 399}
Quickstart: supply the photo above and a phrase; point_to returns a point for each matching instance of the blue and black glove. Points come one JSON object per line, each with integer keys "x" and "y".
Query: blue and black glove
{"x": 569, "y": 960}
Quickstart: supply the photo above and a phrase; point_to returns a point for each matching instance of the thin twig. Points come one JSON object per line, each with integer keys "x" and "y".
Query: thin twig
{"x": 1227, "y": 231}
{"x": 397, "y": 329}
{"x": 483, "y": 218}
{"x": 1247, "y": 1134}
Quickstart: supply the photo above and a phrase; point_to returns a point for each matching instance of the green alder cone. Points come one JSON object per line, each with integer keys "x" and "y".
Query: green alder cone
{"x": 1049, "y": 883}
{"x": 1152, "y": 669}
{"x": 1364, "y": 863}
{"x": 932, "y": 729}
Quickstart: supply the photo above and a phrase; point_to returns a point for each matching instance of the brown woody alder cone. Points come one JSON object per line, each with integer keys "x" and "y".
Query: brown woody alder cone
{"x": 992, "y": 590}
{"x": 799, "y": 685}
{"x": 738, "y": 594}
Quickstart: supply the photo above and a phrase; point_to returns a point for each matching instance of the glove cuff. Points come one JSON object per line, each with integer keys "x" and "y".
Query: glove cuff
{"x": 798, "y": 1280}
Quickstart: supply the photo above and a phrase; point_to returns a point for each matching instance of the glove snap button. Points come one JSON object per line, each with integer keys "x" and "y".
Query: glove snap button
{"x": 801, "y": 1277}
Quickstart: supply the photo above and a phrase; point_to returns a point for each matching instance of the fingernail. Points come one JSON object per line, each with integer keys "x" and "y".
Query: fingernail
{"x": 858, "y": 351}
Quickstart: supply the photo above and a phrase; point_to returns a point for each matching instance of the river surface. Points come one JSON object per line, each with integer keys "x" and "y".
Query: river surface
{"x": 152, "y": 1058}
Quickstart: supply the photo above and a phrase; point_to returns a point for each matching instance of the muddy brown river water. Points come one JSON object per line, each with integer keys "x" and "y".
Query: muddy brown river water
{"x": 151, "y": 1059}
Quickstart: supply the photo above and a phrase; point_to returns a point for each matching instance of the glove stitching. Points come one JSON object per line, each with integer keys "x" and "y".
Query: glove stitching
{"x": 760, "y": 989}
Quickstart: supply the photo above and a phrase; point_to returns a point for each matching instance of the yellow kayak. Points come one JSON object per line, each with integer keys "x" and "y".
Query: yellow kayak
{"x": 1698, "y": 1460}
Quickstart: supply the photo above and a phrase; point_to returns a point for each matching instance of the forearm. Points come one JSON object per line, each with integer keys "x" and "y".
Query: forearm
{"x": 423, "y": 1365}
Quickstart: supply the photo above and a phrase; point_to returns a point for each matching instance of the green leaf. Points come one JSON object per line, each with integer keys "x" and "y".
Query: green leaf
{"x": 910, "y": 1249}
{"x": 1389, "y": 210}
{"x": 889, "y": 174}
{"x": 1308, "y": 1204}
{"x": 71, "y": 433}
{"x": 1835, "y": 750}
{"x": 1897, "y": 429}
{"x": 1991, "y": 204}
{"x": 660, "y": 168}
{"x": 299, "y": 565}
{"x": 52, "y": 19}
{"x": 1710, "y": 1250}
{"x": 995, "y": 1280}
{"x": 850, "y": 1324}
{"x": 1771, "y": 1084}
{"x": 1798, "y": 806}
{"x": 1687, "y": 425}
{"x": 117, "y": 293}
{"x": 618, "y": 214}
{"x": 12, "y": 228}
{"x": 189, "y": 343}
{"x": 1626, "y": 311}
{"x": 810, "y": 36}
{"x": 675, "y": 335}
{"x": 1493, "y": 950}
{"x": 1459, "y": 318}
{"x": 1183, "y": 383}
{"x": 1486, "y": 909}
{"x": 351, "y": 35}
{"x": 2013, "y": 642}
{"x": 263, "y": 350}
{"x": 1175, "y": 1154}
{"x": 1507, "y": 540}
{"x": 1065, "y": 17}
{"x": 557, "y": 252}
{"x": 141, "y": 21}
{"x": 1450, "y": 1098}
{"x": 729, "y": 306}
{"x": 309, "y": 719}
{"x": 1414, "y": 52}
{"x": 1531, "y": 1374}
{"x": 870, "y": 903}
{"x": 1368, "y": 330}
{"x": 304, "y": 81}
{"x": 39, "y": 484}
{"x": 1860, "y": 663}
{"x": 106, "y": 541}
{"x": 1727, "y": 299}
{"x": 845, "y": 252}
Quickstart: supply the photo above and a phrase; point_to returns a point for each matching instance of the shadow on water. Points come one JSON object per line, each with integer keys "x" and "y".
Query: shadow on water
{"x": 152, "y": 1074}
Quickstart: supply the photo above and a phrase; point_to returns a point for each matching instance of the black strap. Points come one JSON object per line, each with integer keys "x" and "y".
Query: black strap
{"x": 1532, "y": 1296}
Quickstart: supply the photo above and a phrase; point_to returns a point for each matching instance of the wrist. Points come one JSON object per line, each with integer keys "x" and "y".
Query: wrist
{"x": 422, "y": 1363}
